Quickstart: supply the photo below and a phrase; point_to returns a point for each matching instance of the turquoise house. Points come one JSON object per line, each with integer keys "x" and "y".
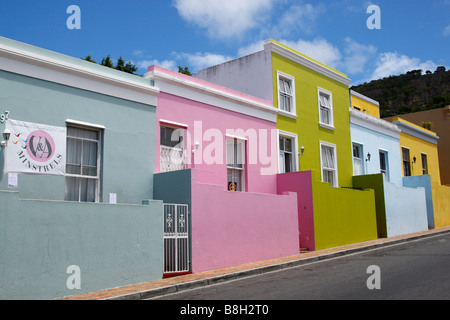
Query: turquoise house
{"x": 377, "y": 165}
{"x": 76, "y": 185}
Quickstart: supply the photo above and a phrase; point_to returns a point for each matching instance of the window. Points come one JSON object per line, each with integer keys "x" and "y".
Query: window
{"x": 406, "y": 163}
{"x": 325, "y": 108}
{"x": 286, "y": 155}
{"x": 329, "y": 163}
{"x": 358, "y": 164}
{"x": 172, "y": 151}
{"x": 383, "y": 164}
{"x": 287, "y": 147}
{"x": 286, "y": 94}
{"x": 235, "y": 164}
{"x": 424, "y": 164}
{"x": 83, "y": 164}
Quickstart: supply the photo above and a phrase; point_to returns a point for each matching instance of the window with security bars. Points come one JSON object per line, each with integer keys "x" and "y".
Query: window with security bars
{"x": 235, "y": 164}
{"x": 329, "y": 165}
{"x": 172, "y": 150}
{"x": 83, "y": 164}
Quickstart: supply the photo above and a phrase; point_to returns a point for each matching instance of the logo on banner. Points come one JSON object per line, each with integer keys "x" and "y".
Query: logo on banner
{"x": 36, "y": 148}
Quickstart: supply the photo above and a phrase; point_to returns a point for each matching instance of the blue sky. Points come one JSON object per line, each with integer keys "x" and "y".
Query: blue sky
{"x": 414, "y": 34}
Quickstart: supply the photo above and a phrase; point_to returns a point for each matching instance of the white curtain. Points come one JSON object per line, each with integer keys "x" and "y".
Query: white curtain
{"x": 82, "y": 158}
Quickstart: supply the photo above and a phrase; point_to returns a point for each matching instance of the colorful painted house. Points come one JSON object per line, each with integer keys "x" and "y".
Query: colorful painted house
{"x": 439, "y": 122}
{"x": 377, "y": 165}
{"x": 315, "y": 156}
{"x": 217, "y": 155}
{"x": 75, "y": 171}
{"x": 420, "y": 166}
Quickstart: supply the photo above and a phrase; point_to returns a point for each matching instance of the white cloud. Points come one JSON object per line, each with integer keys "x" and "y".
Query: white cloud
{"x": 357, "y": 56}
{"x": 224, "y": 19}
{"x": 393, "y": 63}
{"x": 446, "y": 31}
{"x": 168, "y": 64}
{"x": 318, "y": 49}
{"x": 298, "y": 17}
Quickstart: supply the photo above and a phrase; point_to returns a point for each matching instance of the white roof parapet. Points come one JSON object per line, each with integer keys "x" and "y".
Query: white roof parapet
{"x": 39, "y": 63}
{"x": 368, "y": 121}
{"x": 363, "y": 97}
{"x": 415, "y": 132}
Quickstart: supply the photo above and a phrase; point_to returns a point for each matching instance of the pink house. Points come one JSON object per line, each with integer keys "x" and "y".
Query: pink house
{"x": 216, "y": 153}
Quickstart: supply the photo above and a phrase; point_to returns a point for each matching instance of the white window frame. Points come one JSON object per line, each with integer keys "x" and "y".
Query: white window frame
{"x": 386, "y": 157}
{"x": 99, "y": 129}
{"x": 409, "y": 161}
{"x": 332, "y": 146}
{"x": 241, "y": 170}
{"x": 320, "y": 92}
{"x": 286, "y": 77}
{"x": 295, "y": 153}
{"x": 361, "y": 151}
{"x": 426, "y": 163}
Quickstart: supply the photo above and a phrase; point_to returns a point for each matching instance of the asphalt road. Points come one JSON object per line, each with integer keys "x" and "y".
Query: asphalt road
{"x": 417, "y": 270}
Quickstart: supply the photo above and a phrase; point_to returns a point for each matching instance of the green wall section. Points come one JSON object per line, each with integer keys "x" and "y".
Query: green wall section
{"x": 113, "y": 245}
{"x": 375, "y": 182}
{"x": 343, "y": 216}
{"x": 306, "y": 126}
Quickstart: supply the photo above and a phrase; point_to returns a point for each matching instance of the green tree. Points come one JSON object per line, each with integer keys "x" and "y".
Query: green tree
{"x": 89, "y": 58}
{"x": 184, "y": 70}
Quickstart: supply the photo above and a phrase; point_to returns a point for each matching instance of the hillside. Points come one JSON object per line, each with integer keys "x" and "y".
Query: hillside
{"x": 410, "y": 92}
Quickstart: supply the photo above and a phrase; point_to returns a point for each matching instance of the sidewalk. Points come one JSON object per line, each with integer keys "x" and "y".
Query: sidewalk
{"x": 186, "y": 282}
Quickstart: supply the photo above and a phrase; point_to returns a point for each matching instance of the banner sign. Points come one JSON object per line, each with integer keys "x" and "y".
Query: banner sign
{"x": 35, "y": 148}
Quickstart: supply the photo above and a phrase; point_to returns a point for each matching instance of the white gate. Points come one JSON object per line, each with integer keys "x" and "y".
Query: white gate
{"x": 176, "y": 238}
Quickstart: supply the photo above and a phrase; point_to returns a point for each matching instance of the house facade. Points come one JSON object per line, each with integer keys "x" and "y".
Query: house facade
{"x": 313, "y": 124}
{"x": 420, "y": 167}
{"x": 75, "y": 171}
{"x": 217, "y": 155}
{"x": 377, "y": 165}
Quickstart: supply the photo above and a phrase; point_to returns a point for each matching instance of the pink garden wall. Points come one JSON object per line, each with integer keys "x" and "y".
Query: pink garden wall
{"x": 234, "y": 228}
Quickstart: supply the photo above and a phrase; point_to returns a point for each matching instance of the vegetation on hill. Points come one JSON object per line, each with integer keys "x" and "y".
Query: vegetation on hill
{"x": 411, "y": 92}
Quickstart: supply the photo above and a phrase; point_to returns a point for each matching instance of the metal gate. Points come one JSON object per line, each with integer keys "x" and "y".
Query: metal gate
{"x": 176, "y": 238}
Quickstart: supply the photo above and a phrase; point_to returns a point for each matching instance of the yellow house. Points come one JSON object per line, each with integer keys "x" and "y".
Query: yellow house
{"x": 365, "y": 104}
{"x": 420, "y": 157}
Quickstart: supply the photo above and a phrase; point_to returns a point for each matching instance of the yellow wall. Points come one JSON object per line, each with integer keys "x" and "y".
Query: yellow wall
{"x": 365, "y": 106}
{"x": 416, "y": 148}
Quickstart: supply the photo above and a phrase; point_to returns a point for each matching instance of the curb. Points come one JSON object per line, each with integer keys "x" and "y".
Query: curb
{"x": 152, "y": 293}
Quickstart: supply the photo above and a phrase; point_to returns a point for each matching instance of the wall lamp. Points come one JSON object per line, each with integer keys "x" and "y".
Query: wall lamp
{"x": 6, "y": 135}
{"x": 368, "y": 157}
{"x": 302, "y": 149}
{"x": 196, "y": 146}
{"x": 414, "y": 159}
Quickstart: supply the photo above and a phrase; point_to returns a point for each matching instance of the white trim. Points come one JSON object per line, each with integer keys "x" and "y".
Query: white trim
{"x": 85, "y": 124}
{"x": 172, "y": 123}
{"x": 30, "y": 61}
{"x": 291, "y": 55}
{"x": 416, "y": 132}
{"x": 370, "y": 122}
{"x": 235, "y": 137}
{"x": 295, "y": 153}
{"x": 363, "y": 97}
{"x": 333, "y": 146}
{"x": 293, "y": 112}
{"x": 203, "y": 93}
{"x": 330, "y": 95}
